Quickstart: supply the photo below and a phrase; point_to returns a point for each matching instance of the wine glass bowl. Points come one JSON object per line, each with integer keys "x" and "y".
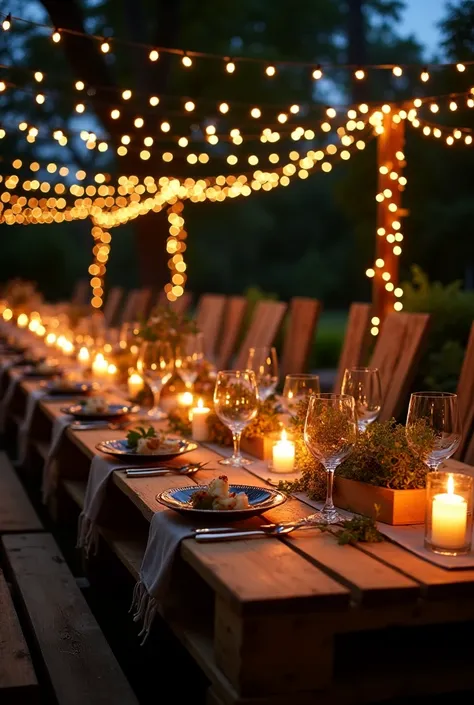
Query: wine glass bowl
{"x": 363, "y": 383}
{"x": 156, "y": 364}
{"x": 297, "y": 388}
{"x": 189, "y": 357}
{"x": 236, "y": 403}
{"x": 264, "y": 362}
{"x": 433, "y": 427}
{"x": 330, "y": 434}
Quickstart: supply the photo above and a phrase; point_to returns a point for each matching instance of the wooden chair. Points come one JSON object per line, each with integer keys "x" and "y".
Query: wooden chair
{"x": 80, "y": 293}
{"x": 233, "y": 318}
{"x": 112, "y": 305}
{"x": 465, "y": 392}
{"x": 396, "y": 355}
{"x": 302, "y": 321}
{"x": 181, "y": 305}
{"x": 355, "y": 341}
{"x": 263, "y": 328}
{"x": 128, "y": 310}
{"x": 210, "y": 311}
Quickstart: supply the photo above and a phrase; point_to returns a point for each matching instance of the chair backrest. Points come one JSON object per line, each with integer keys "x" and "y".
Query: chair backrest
{"x": 396, "y": 355}
{"x": 465, "y": 392}
{"x": 262, "y": 330}
{"x": 354, "y": 346}
{"x": 112, "y": 304}
{"x": 128, "y": 310}
{"x": 142, "y": 303}
{"x": 299, "y": 336}
{"x": 210, "y": 311}
{"x": 79, "y": 295}
{"x": 181, "y": 305}
{"x": 233, "y": 318}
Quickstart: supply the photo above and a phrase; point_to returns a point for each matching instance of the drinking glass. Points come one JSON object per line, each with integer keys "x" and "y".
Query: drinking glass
{"x": 363, "y": 383}
{"x": 264, "y": 362}
{"x": 330, "y": 433}
{"x": 433, "y": 427}
{"x": 189, "y": 357}
{"x": 297, "y": 388}
{"x": 236, "y": 404}
{"x": 156, "y": 364}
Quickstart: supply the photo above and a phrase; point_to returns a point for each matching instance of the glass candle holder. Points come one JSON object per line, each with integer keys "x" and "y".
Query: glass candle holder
{"x": 448, "y": 517}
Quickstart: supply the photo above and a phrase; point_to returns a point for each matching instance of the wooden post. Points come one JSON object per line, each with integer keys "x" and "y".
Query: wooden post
{"x": 389, "y": 232}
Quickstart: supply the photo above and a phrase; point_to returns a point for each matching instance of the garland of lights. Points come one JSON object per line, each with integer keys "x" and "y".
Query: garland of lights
{"x": 101, "y": 252}
{"x": 175, "y": 246}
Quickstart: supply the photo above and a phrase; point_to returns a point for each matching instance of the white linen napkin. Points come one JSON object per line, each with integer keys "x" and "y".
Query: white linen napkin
{"x": 167, "y": 530}
{"x": 24, "y": 430}
{"x": 50, "y": 474}
{"x": 7, "y": 400}
{"x": 100, "y": 471}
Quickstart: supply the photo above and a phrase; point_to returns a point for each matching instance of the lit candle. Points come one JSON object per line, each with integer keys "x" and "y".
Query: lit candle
{"x": 83, "y": 357}
{"x": 135, "y": 385}
{"x": 111, "y": 371}
{"x": 100, "y": 366}
{"x": 50, "y": 339}
{"x": 449, "y": 519}
{"x": 186, "y": 399}
{"x": 199, "y": 416}
{"x": 284, "y": 454}
{"x": 22, "y": 321}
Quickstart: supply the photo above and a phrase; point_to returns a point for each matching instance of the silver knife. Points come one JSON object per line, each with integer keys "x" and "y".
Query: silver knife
{"x": 273, "y": 530}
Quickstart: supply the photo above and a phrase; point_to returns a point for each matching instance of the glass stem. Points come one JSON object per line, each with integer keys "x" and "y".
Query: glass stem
{"x": 329, "y": 504}
{"x": 156, "y": 395}
{"x": 236, "y": 438}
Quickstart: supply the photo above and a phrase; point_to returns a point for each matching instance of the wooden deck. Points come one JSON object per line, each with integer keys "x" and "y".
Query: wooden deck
{"x": 293, "y": 621}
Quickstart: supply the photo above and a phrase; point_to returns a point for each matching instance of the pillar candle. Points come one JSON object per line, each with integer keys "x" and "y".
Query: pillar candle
{"x": 284, "y": 454}
{"x": 449, "y": 519}
{"x": 199, "y": 416}
{"x": 135, "y": 385}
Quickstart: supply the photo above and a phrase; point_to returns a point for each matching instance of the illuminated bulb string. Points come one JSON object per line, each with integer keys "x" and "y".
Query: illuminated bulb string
{"x": 175, "y": 246}
{"x": 97, "y": 270}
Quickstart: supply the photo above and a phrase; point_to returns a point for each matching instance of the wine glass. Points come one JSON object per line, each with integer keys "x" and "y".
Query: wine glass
{"x": 297, "y": 388}
{"x": 189, "y": 357}
{"x": 330, "y": 433}
{"x": 156, "y": 364}
{"x": 264, "y": 362}
{"x": 363, "y": 383}
{"x": 433, "y": 426}
{"x": 236, "y": 404}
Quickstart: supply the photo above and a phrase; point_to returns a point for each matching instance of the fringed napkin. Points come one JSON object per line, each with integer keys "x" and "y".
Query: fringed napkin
{"x": 7, "y": 400}
{"x": 25, "y": 428}
{"x": 101, "y": 470}
{"x": 50, "y": 474}
{"x": 166, "y": 532}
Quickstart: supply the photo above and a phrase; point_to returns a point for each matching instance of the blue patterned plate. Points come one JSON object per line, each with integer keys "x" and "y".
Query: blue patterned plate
{"x": 261, "y": 499}
{"x": 113, "y": 411}
{"x": 121, "y": 447}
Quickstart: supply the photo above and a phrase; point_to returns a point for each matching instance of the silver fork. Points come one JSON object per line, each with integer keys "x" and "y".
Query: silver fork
{"x": 230, "y": 534}
{"x": 188, "y": 469}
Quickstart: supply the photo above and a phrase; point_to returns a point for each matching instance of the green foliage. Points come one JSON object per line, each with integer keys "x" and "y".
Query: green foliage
{"x": 165, "y": 324}
{"x": 452, "y": 312}
{"x": 359, "y": 529}
{"x": 138, "y": 433}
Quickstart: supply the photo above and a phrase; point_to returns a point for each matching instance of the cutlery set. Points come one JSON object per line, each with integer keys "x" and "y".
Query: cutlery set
{"x": 188, "y": 469}
{"x": 228, "y": 533}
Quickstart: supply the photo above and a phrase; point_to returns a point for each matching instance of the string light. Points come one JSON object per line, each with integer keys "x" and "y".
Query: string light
{"x": 270, "y": 71}
{"x": 56, "y": 36}
{"x": 79, "y": 85}
{"x": 359, "y": 74}
{"x": 317, "y": 73}
{"x": 425, "y": 76}
{"x": 105, "y": 47}
{"x": 187, "y": 61}
{"x": 7, "y": 23}
{"x": 397, "y": 71}
{"x": 154, "y": 55}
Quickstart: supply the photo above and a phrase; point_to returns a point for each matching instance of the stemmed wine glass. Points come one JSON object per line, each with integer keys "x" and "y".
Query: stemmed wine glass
{"x": 363, "y": 383}
{"x": 264, "y": 362}
{"x": 433, "y": 426}
{"x": 156, "y": 364}
{"x": 330, "y": 434}
{"x": 189, "y": 357}
{"x": 297, "y": 388}
{"x": 236, "y": 404}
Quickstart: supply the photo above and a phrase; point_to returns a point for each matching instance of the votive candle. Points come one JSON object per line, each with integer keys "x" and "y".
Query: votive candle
{"x": 198, "y": 415}
{"x": 283, "y": 454}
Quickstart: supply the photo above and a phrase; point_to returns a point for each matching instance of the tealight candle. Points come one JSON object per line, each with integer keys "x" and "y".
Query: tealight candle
{"x": 22, "y": 321}
{"x": 283, "y": 454}
{"x": 185, "y": 399}
{"x": 449, "y": 519}
{"x": 50, "y": 339}
{"x": 99, "y": 366}
{"x": 111, "y": 371}
{"x": 135, "y": 385}
{"x": 199, "y": 416}
{"x": 83, "y": 357}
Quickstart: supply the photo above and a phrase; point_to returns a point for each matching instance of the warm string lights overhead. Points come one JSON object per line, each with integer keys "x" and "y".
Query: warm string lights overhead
{"x": 101, "y": 252}
{"x": 267, "y": 69}
{"x": 175, "y": 246}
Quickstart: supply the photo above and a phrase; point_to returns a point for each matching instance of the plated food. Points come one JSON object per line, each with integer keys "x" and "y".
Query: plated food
{"x": 98, "y": 408}
{"x": 219, "y": 499}
{"x": 141, "y": 443}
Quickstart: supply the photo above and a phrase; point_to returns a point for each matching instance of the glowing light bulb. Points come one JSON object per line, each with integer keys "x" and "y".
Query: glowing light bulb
{"x": 230, "y": 67}
{"x": 270, "y": 71}
{"x": 256, "y": 112}
{"x": 359, "y": 74}
{"x": 79, "y": 85}
{"x": 154, "y": 100}
{"x": 460, "y": 67}
{"x": 115, "y": 114}
{"x": 153, "y": 55}
{"x": 189, "y": 106}
{"x": 187, "y": 61}
{"x": 317, "y": 73}
{"x": 224, "y": 108}
{"x": 38, "y": 76}
{"x": 105, "y": 47}
{"x": 126, "y": 94}
{"x": 397, "y": 71}
{"x": 56, "y": 36}
{"x": 425, "y": 76}
{"x": 6, "y": 25}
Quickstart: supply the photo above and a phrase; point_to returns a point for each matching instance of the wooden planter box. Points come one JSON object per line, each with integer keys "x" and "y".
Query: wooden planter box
{"x": 261, "y": 448}
{"x": 394, "y": 506}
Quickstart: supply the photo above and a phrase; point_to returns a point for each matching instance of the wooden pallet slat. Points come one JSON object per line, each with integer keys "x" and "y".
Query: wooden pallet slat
{"x": 355, "y": 341}
{"x": 302, "y": 321}
{"x": 18, "y": 682}
{"x": 80, "y": 664}
{"x": 209, "y": 315}
{"x": 16, "y": 510}
{"x": 233, "y": 319}
{"x": 266, "y": 321}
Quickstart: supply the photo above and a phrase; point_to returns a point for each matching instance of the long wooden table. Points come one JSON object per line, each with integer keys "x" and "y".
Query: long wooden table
{"x": 296, "y": 620}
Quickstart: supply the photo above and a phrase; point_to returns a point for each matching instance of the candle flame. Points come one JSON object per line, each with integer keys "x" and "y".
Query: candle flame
{"x": 450, "y": 484}
{"x": 83, "y": 354}
{"x": 112, "y": 369}
{"x": 284, "y": 436}
{"x": 200, "y": 404}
